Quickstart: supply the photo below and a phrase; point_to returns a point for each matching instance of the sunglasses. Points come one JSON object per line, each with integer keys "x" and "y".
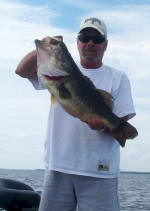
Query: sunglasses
{"x": 97, "y": 39}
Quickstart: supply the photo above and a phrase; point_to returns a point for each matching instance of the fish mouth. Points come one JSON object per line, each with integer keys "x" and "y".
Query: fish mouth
{"x": 55, "y": 78}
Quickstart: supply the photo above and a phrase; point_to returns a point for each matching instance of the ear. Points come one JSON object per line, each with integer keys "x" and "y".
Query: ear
{"x": 78, "y": 43}
{"x": 105, "y": 45}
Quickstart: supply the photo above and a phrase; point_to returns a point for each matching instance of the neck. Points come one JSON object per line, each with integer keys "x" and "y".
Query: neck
{"x": 90, "y": 65}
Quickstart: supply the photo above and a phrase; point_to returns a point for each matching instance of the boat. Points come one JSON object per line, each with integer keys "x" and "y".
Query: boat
{"x": 18, "y": 196}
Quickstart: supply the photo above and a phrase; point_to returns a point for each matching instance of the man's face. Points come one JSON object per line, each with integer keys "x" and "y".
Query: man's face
{"x": 91, "y": 52}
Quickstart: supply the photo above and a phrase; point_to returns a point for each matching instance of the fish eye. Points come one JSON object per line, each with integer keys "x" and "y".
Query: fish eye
{"x": 53, "y": 41}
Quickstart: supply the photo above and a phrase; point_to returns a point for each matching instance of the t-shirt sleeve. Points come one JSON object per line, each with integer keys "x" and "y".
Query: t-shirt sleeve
{"x": 123, "y": 102}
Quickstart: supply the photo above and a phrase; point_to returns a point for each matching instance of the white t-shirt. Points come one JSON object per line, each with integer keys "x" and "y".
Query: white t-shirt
{"x": 72, "y": 147}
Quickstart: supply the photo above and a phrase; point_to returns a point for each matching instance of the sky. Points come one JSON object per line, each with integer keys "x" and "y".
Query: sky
{"x": 24, "y": 110}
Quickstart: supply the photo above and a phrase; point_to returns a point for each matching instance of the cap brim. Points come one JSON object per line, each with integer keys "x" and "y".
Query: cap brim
{"x": 94, "y": 27}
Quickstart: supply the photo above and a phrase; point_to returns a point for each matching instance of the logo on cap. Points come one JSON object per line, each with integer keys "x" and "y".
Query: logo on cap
{"x": 93, "y": 20}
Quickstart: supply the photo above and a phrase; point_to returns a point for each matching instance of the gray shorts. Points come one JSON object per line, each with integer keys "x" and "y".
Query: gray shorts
{"x": 68, "y": 192}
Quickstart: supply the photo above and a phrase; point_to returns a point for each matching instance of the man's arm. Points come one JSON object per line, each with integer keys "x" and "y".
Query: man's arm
{"x": 27, "y": 68}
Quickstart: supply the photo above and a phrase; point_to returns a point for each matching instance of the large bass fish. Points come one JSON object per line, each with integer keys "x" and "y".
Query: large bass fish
{"x": 74, "y": 91}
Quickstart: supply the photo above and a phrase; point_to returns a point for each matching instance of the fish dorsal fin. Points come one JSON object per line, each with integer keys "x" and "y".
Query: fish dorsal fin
{"x": 107, "y": 97}
{"x": 53, "y": 100}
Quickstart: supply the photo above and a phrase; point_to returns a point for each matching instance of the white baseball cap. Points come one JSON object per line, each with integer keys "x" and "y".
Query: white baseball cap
{"x": 95, "y": 23}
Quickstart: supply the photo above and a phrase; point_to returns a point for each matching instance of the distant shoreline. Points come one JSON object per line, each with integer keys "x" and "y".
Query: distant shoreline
{"x": 134, "y": 172}
{"x": 122, "y": 172}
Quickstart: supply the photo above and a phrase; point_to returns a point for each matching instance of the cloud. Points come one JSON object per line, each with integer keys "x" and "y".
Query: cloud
{"x": 135, "y": 160}
{"x": 27, "y": 14}
{"x": 131, "y": 58}
{"x": 143, "y": 101}
{"x": 128, "y": 35}
{"x": 23, "y": 134}
{"x": 22, "y": 24}
{"x": 24, "y": 118}
{"x": 84, "y": 4}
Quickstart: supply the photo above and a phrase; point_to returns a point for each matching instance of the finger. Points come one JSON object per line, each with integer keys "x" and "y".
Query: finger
{"x": 95, "y": 123}
{"x": 91, "y": 123}
{"x": 98, "y": 123}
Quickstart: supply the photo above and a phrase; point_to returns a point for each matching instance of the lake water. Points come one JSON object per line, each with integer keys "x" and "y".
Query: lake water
{"x": 134, "y": 188}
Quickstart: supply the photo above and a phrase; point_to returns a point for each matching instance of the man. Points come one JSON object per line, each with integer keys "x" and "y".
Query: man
{"x": 82, "y": 160}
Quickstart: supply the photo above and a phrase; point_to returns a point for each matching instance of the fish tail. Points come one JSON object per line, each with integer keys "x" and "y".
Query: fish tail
{"x": 126, "y": 131}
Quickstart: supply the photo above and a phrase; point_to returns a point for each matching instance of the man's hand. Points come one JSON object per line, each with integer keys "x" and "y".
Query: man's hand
{"x": 95, "y": 123}
{"x": 27, "y": 68}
